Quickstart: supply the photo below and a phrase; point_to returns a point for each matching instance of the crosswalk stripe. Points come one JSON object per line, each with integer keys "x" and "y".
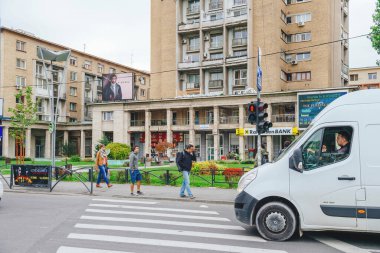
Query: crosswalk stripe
{"x": 169, "y": 243}
{"x": 64, "y": 249}
{"x": 172, "y": 232}
{"x": 155, "y": 208}
{"x": 157, "y": 215}
{"x": 339, "y": 245}
{"x": 126, "y": 201}
{"x": 164, "y": 222}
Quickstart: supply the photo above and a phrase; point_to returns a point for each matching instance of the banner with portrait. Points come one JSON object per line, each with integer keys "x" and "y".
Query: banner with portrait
{"x": 118, "y": 87}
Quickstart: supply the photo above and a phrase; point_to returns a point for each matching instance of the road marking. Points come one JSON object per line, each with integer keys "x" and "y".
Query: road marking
{"x": 63, "y": 249}
{"x": 155, "y": 208}
{"x": 169, "y": 243}
{"x": 203, "y": 206}
{"x": 158, "y": 215}
{"x": 172, "y": 232}
{"x": 339, "y": 245}
{"x": 126, "y": 201}
{"x": 164, "y": 222}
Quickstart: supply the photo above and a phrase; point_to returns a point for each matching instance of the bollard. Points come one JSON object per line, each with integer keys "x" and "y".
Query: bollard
{"x": 212, "y": 177}
{"x": 167, "y": 177}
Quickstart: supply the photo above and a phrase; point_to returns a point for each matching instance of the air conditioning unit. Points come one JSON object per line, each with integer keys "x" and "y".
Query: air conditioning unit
{"x": 184, "y": 41}
{"x": 294, "y": 62}
{"x": 206, "y": 38}
{"x": 182, "y": 78}
{"x": 301, "y": 23}
{"x": 205, "y": 54}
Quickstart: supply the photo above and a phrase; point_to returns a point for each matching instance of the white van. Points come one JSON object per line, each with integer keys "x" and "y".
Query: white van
{"x": 328, "y": 179}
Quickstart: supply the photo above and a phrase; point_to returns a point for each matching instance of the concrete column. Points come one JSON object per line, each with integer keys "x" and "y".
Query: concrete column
{"x": 215, "y": 132}
{"x": 6, "y": 141}
{"x": 241, "y": 138}
{"x": 47, "y": 144}
{"x": 28, "y": 138}
{"x": 270, "y": 147}
{"x": 169, "y": 133}
{"x": 65, "y": 137}
{"x": 191, "y": 130}
{"x": 82, "y": 144}
{"x": 147, "y": 146}
{"x": 127, "y": 125}
{"x": 118, "y": 122}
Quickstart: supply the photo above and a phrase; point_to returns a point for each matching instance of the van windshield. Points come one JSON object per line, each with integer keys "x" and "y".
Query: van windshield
{"x": 292, "y": 144}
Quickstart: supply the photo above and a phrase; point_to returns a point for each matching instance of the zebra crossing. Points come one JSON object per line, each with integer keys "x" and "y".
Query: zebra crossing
{"x": 133, "y": 226}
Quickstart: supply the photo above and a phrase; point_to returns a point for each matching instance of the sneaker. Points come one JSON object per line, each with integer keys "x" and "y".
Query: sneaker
{"x": 191, "y": 197}
{"x": 183, "y": 196}
{"x": 140, "y": 193}
{"x": 98, "y": 186}
{"x": 132, "y": 194}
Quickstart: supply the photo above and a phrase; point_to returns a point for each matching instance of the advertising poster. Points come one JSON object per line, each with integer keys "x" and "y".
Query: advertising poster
{"x": 31, "y": 175}
{"x": 117, "y": 87}
{"x": 310, "y": 104}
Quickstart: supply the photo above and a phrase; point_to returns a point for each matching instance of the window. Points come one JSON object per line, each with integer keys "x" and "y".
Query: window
{"x": 298, "y": 76}
{"x": 73, "y": 107}
{"x": 20, "y": 63}
{"x": 302, "y": 17}
{"x": 193, "y": 44}
{"x": 216, "y": 41}
{"x": 192, "y": 81}
{"x": 39, "y": 70}
{"x": 327, "y": 146}
{"x": 87, "y": 65}
{"x": 240, "y": 33}
{"x": 303, "y": 56}
{"x": 299, "y": 37}
{"x": 73, "y": 91}
{"x": 240, "y": 2}
{"x": 354, "y": 77}
{"x": 100, "y": 68}
{"x": 41, "y": 83}
{"x": 20, "y": 100}
{"x": 107, "y": 116}
{"x": 216, "y": 56}
{"x": 112, "y": 70}
{"x": 20, "y": 81}
{"x": 73, "y": 61}
{"x": 73, "y": 76}
{"x": 142, "y": 93}
{"x": 240, "y": 53}
{"x": 240, "y": 77}
{"x": 194, "y": 7}
{"x": 72, "y": 120}
{"x": 20, "y": 46}
{"x": 216, "y": 76}
{"x": 192, "y": 58}
{"x": 372, "y": 76}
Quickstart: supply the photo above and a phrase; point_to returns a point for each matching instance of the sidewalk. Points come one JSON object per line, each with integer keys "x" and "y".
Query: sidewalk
{"x": 202, "y": 194}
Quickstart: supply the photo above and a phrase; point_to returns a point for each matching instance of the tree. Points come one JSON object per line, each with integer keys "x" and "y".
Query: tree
{"x": 23, "y": 116}
{"x": 118, "y": 151}
{"x": 162, "y": 147}
{"x": 375, "y": 30}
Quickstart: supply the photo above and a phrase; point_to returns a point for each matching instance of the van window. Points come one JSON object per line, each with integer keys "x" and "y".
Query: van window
{"x": 327, "y": 146}
{"x": 371, "y": 146}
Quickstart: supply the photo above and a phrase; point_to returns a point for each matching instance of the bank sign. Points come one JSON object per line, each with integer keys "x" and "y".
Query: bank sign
{"x": 310, "y": 104}
{"x": 272, "y": 131}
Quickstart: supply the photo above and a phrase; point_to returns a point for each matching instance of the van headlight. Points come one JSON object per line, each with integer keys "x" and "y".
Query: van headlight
{"x": 246, "y": 179}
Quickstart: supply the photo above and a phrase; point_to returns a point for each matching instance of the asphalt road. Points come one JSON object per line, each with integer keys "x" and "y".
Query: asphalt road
{"x": 42, "y": 223}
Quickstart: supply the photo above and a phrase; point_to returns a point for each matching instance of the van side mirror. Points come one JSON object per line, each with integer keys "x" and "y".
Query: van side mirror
{"x": 296, "y": 161}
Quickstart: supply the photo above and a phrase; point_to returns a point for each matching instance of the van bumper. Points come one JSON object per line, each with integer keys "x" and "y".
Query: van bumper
{"x": 244, "y": 204}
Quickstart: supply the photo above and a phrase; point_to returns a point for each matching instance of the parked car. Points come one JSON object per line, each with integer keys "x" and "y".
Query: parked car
{"x": 328, "y": 179}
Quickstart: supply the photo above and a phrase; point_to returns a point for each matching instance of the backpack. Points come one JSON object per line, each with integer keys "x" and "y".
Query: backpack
{"x": 178, "y": 158}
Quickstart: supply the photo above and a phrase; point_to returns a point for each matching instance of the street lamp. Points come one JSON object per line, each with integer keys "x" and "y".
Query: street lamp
{"x": 53, "y": 56}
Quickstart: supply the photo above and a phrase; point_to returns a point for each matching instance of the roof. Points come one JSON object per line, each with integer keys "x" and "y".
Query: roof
{"x": 32, "y": 36}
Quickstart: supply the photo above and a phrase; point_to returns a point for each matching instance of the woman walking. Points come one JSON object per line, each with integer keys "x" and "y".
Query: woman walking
{"x": 101, "y": 163}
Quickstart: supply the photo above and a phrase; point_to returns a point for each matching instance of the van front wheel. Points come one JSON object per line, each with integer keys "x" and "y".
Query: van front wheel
{"x": 275, "y": 221}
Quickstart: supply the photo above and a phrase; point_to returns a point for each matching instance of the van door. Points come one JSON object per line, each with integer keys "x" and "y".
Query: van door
{"x": 325, "y": 191}
{"x": 370, "y": 157}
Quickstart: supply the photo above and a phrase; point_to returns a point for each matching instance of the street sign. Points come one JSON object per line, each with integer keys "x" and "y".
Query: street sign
{"x": 295, "y": 131}
{"x": 259, "y": 71}
{"x": 240, "y": 131}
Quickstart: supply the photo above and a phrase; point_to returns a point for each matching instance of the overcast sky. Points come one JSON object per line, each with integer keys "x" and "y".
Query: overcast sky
{"x": 119, "y": 30}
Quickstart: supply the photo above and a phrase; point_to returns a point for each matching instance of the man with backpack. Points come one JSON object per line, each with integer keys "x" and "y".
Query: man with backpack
{"x": 184, "y": 162}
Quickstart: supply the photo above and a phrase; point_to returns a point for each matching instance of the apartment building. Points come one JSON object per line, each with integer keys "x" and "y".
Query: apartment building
{"x": 365, "y": 78}
{"x": 20, "y": 67}
{"x": 203, "y": 72}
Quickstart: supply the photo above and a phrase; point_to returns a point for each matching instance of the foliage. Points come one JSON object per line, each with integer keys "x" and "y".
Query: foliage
{"x": 205, "y": 168}
{"x": 74, "y": 158}
{"x": 68, "y": 149}
{"x": 232, "y": 175}
{"x": 248, "y": 162}
{"x": 104, "y": 140}
{"x": 162, "y": 147}
{"x": 226, "y": 162}
{"x": 375, "y": 30}
{"x": 118, "y": 151}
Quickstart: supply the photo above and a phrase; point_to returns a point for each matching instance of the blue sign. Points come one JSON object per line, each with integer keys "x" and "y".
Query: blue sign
{"x": 310, "y": 104}
{"x": 1, "y": 133}
{"x": 259, "y": 78}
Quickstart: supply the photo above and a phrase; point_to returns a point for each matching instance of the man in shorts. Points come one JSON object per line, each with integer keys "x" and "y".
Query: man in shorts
{"x": 135, "y": 173}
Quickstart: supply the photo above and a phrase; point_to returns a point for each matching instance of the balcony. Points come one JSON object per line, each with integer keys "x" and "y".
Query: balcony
{"x": 239, "y": 42}
{"x": 216, "y": 5}
{"x": 283, "y": 118}
{"x": 180, "y": 122}
{"x": 188, "y": 64}
{"x": 137, "y": 123}
{"x": 193, "y": 10}
{"x": 212, "y": 62}
{"x": 236, "y": 59}
{"x": 203, "y": 121}
{"x": 192, "y": 86}
{"x": 215, "y": 84}
{"x": 158, "y": 122}
{"x": 237, "y": 15}
{"x": 213, "y": 19}
{"x": 229, "y": 120}
{"x": 189, "y": 25}
{"x": 345, "y": 70}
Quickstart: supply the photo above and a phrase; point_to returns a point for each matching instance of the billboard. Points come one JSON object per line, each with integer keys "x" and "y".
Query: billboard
{"x": 117, "y": 87}
{"x": 31, "y": 175}
{"x": 310, "y": 104}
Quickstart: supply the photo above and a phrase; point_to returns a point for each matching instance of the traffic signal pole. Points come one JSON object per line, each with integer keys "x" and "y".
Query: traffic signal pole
{"x": 258, "y": 131}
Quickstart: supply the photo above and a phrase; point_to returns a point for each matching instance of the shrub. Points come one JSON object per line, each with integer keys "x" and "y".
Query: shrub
{"x": 248, "y": 162}
{"x": 118, "y": 151}
{"x": 88, "y": 160}
{"x": 205, "y": 168}
{"x": 232, "y": 175}
{"x": 74, "y": 158}
{"x": 226, "y": 162}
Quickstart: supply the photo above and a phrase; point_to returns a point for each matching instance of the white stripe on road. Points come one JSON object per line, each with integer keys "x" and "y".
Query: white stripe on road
{"x": 63, "y": 249}
{"x": 164, "y": 222}
{"x": 169, "y": 243}
{"x": 158, "y": 215}
{"x": 126, "y": 201}
{"x": 339, "y": 245}
{"x": 172, "y": 232}
{"x": 155, "y": 209}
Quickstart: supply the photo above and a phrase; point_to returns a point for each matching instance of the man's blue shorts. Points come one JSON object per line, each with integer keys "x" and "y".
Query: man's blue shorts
{"x": 135, "y": 176}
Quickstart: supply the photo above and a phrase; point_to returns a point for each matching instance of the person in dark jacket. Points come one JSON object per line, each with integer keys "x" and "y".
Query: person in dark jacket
{"x": 185, "y": 161}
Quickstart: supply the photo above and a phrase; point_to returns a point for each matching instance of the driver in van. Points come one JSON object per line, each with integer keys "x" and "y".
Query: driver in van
{"x": 343, "y": 140}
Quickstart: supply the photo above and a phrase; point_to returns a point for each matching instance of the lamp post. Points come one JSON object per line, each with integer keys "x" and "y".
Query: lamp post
{"x": 53, "y": 56}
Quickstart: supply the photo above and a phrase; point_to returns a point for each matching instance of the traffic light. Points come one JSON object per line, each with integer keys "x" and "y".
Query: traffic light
{"x": 252, "y": 113}
{"x": 263, "y": 125}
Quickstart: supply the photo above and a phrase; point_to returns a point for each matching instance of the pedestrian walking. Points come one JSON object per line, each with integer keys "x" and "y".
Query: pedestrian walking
{"x": 264, "y": 156}
{"x": 134, "y": 171}
{"x": 184, "y": 162}
{"x": 286, "y": 145}
{"x": 101, "y": 163}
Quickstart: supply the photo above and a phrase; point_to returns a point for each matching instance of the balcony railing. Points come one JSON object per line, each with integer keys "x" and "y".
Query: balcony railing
{"x": 216, "y": 5}
{"x": 239, "y": 42}
{"x": 136, "y": 123}
{"x": 229, "y": 120}
{"x": 215, "y": 84}
{"x": 284, "y": 118}
{"x": 194, "y": 9}
{"x": 158, "y": 122}
{"x": 203, "y": 121}
{"x": 190, "y": 86}
{"x": 180, "y": 122}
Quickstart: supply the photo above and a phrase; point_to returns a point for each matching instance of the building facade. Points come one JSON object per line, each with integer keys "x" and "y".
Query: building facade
{"x": 20, "y": 67}
{"x": 365, "y": 78}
